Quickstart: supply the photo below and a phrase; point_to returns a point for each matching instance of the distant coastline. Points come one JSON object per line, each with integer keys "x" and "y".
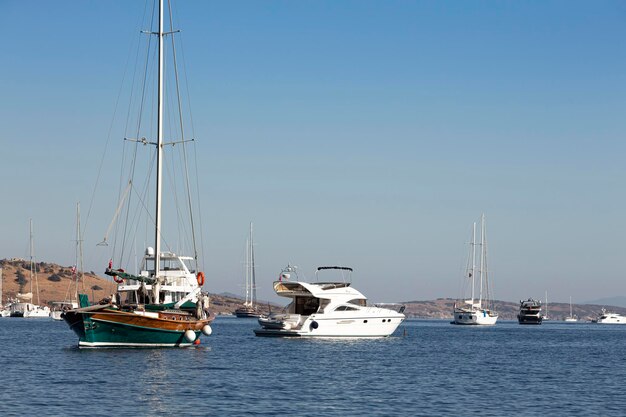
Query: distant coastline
{"x": 54, "y": 281}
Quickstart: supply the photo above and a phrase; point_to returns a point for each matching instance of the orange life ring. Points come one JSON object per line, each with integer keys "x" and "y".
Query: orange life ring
{"x": 117, "y": 278}
{"x": 200, "y": 278}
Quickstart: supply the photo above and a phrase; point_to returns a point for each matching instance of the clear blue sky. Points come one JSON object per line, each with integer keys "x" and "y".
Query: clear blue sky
{"x": 364, "y": 133}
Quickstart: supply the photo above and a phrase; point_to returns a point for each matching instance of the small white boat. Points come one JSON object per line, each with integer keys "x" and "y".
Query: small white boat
{"x": 59, "y": 307}
{"x": 571, "y": 318}
{"x": 328, "y": 309}
{"x": 611, "y": 318}
{"x": 26, "y": 308}
{"x": 36, "y": 312}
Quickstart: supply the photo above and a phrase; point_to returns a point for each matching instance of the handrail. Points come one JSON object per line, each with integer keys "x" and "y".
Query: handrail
{"x": 345, "y": 268}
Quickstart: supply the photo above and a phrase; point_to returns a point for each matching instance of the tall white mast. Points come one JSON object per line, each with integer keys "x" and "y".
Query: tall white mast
{"x": 79, "y": 251}
{"x": 483, "y": 273}
{"x": 473, "y": 258}
{"x": 159, "y": 174}
{"x": 253, "y": 277}
{"x": 247, "y": 272}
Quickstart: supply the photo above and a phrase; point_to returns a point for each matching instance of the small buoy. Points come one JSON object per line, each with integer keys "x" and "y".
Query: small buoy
{"x": 190, "y": 335}
{"x": 314, "y": 325}
{"x": 196, "y": 342}
{"x": 206, "y": 330}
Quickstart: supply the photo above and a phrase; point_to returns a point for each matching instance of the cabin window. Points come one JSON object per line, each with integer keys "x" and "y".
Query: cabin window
{"x": 364, "y": 321}
{"x": 359, "y": 302}
{"x": 323, "y": 304}
{"x": 307, "y": 305}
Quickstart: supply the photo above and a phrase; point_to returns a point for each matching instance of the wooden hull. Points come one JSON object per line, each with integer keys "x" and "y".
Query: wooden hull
{"x": 109, "y": 327}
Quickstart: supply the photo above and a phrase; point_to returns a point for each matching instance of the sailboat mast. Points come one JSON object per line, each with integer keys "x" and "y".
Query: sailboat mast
{"x": 30, "y": 252}
{"x": 159, "y": 173}
{"x": 247, "y": 272}
{"x": 482, "y": 257}
{"x": 473, "y": 258}
{"x": 253, "y": 284}
{"x": 79, "y": 252}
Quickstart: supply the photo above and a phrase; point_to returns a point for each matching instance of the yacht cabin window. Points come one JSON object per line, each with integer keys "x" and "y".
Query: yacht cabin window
{"x": 307, "y": 305}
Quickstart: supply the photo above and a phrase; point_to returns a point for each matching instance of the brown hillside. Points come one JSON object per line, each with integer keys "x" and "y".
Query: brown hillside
{"x": 54, "y": 281}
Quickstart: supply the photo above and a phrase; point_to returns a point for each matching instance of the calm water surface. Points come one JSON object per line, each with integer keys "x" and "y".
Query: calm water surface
{"x": 428, "y": 368}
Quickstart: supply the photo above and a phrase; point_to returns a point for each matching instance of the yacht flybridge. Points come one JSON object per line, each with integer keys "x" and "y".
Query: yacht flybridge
{"x": 328, "y": 309}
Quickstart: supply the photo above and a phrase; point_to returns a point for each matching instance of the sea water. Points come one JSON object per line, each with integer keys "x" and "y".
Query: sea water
{"x": 427, "y": 368}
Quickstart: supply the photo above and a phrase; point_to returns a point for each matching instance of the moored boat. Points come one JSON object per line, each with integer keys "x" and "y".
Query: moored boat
{"x": 249, "y": 308}
{"x": 327, "y": 309}
{"x": 610, "y": 318}
{"x": 571, "y": 318}
{"x": 476, "y": 310}
{"x": 162, "y": 305}
{"x": 530, "y": 312}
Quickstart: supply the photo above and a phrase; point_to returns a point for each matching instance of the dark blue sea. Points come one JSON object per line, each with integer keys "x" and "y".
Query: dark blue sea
{"x": 428, "y": 368}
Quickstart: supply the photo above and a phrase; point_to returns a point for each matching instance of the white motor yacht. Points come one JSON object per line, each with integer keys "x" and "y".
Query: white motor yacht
{"x": 328, "y": 309}
{"x": 611, "y": 318}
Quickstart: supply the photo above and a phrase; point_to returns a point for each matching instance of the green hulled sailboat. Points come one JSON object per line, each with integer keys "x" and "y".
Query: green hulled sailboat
{"x": 163, "y": 304}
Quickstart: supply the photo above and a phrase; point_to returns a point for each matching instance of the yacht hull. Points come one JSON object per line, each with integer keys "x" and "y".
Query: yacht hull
{"x": 529, "y": 319}
{"x": 112, "y": 328}
{"x": 315, "y": 326}
{"x": 247, "y": 313}
{"x": 474, "y": 318}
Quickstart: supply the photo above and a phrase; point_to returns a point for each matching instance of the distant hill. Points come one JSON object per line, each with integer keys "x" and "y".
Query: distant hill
{"x": 54, "y": 282}
{"x": 609, "y": 301}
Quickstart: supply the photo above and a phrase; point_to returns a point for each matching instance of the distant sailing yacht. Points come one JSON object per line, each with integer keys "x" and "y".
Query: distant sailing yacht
{"x": 249, "y": 308}
{"x": 571, "y": 318}
{"x": 71, "y": 294}
{"x": 474, "y": 311}
{"x": 28, "y": 309}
